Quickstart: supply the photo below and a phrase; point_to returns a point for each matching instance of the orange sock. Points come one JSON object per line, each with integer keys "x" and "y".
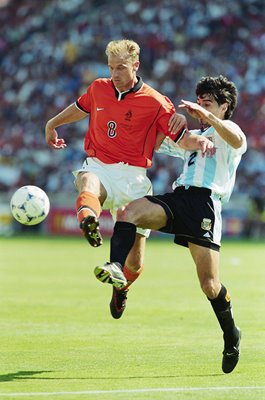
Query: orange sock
{"x": 87, "y": 204}
{"x": 131, "y": 276}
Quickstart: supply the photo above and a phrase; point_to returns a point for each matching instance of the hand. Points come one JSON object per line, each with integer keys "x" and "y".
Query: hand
{"x": 207, "y": 147}
{"x": 177, "y": 123}
{"x": 194, "y": 110}
{"x": 52, "y": 138}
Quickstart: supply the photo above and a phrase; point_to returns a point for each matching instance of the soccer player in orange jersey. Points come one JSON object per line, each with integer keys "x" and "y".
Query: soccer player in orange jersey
{"x": 127, "y": 118}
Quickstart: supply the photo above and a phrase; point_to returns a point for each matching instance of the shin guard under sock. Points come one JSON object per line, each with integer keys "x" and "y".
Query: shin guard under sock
{"x": 223, "y": 311}
{"x": 122, "y": 241}
{"x": 87, "y": 204}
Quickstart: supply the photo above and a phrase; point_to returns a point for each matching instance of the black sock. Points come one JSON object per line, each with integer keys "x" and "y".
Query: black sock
{"x": 122, "y": 241}
{"x": 223, "y": 311}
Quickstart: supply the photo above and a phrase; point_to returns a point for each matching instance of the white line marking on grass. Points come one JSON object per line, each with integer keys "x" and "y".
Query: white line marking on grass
{"x": 147, "y": 390}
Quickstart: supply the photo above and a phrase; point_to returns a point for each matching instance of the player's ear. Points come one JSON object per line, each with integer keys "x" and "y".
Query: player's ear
{"x": 224, "y": 107}
{"x": 136, "y": 65}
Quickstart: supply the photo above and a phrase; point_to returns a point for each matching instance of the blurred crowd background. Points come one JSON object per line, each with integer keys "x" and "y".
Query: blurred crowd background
{"x": 50, "y": 51}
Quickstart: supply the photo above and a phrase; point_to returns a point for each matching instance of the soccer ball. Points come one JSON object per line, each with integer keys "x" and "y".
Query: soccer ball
{"x": 30, "y": 205}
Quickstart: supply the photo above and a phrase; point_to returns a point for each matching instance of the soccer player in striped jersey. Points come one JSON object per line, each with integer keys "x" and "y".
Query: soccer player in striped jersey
{"x": 125, "y": 117}
{"x": 192, "y": 212}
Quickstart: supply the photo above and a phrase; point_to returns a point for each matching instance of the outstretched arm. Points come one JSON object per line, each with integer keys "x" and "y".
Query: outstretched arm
{"x": 228, "y": 131}
{"x": 191, "y": 141}
{"x": 68, "y": 115}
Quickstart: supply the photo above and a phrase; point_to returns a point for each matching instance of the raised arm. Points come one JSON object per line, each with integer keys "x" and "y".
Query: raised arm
{"x": 229, "y": 131}
{"x": 68, "y": 115}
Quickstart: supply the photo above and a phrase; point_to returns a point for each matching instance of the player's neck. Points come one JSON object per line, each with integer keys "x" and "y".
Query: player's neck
{"x": 128, "y": 87}
{"x": 204, "y": 126}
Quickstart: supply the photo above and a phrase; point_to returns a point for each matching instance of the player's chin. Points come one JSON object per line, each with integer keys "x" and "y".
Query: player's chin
{"x": 117, "y": 83}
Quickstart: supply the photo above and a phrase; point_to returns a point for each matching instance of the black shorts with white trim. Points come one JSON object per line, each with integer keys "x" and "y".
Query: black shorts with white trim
{"x": 194, "y": 216}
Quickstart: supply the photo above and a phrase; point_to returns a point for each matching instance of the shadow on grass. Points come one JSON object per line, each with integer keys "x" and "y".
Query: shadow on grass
{"x": 24, "y": 375}
{"x": 20, "y": 375}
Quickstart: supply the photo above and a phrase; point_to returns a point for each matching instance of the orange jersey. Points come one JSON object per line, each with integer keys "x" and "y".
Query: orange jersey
{"x": 123, "y": 126}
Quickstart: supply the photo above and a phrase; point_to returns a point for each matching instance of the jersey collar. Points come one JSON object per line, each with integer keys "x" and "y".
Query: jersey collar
{"x": 121, "y": 95}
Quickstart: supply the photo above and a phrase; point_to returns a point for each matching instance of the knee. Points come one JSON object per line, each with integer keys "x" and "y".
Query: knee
{"x": 82, "y": 181}
{"x": 126, "y": 214}
{"x": 210, "y": 288}
{"x": 86, "y": 181}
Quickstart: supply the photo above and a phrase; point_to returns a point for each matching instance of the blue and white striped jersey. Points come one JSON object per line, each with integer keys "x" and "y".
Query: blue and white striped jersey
{"x": 217, "y": 172}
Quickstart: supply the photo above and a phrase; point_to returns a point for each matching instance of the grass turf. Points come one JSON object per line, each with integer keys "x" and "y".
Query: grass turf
{"x": 57, "y": 336}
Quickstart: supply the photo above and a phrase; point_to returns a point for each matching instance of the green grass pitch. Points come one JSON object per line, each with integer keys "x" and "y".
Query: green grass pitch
{"x": 58, "y": 340}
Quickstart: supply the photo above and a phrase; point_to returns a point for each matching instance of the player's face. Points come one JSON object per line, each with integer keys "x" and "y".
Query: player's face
{"x": 123, "y": 72}
{"x": 208, "y": 102}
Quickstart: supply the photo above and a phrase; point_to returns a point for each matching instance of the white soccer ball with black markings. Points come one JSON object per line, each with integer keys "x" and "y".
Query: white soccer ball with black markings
{"x": 30, "y": 205}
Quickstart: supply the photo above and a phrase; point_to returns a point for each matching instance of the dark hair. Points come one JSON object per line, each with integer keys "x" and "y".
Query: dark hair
{"x": 223, "y": 91}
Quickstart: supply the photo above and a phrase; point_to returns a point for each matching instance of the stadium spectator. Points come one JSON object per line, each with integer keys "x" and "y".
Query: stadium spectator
{"x": 52, "y": 47}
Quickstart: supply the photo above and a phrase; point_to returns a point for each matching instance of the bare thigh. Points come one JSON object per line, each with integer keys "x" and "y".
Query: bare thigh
{"x": 144, "y": 214}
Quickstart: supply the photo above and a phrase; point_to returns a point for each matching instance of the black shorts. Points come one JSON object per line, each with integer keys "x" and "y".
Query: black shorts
{"x": 194, "y": 215}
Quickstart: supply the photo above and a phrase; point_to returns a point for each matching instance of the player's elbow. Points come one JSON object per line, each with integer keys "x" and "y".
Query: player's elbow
{"x": 237, "y": 142}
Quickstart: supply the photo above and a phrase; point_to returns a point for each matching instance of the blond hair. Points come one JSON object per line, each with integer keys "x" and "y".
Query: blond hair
{"x": 124, "y": 47}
